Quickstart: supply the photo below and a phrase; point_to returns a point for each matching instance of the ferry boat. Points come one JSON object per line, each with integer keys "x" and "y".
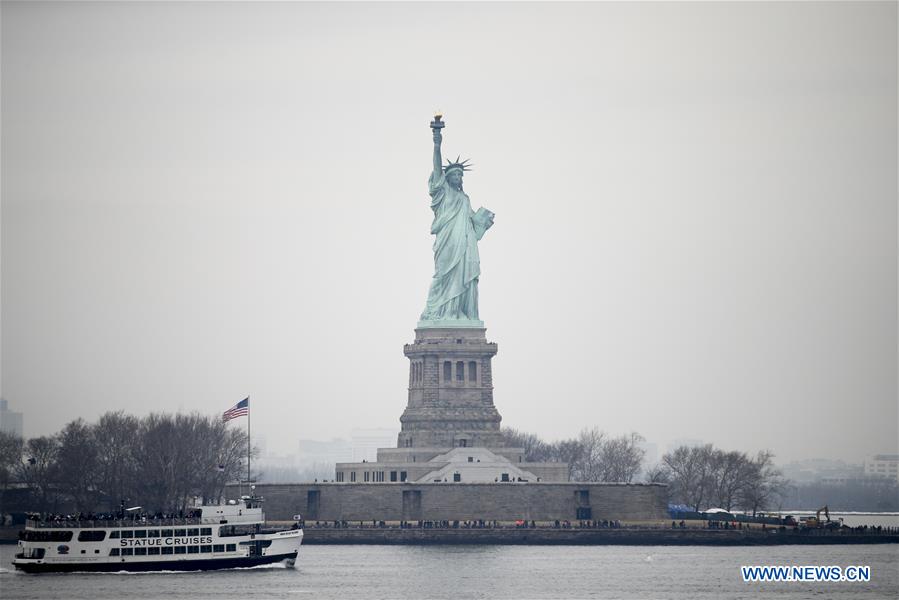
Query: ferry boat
{"x": 214, "y": 537}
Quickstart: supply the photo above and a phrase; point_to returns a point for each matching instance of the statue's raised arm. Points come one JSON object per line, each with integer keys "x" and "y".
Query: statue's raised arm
{"x": 438, "y": 160}
{"x": 436, "y": 126}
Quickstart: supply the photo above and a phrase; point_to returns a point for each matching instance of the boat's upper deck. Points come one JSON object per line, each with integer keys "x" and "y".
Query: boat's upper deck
{"x": 246, "y": 511}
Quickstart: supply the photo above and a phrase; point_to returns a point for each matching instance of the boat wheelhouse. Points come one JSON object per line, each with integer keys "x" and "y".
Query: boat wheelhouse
{"x": 215, "y": 537}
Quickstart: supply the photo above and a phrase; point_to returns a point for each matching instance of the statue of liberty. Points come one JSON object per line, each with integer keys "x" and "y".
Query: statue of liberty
{"x": 453, "y": 295}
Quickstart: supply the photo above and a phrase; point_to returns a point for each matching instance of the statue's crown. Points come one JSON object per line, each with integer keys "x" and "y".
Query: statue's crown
{"x": 462, "y": 166}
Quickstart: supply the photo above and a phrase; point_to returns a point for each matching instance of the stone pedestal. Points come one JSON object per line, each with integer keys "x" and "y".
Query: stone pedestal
{"x": 450, "y": 390}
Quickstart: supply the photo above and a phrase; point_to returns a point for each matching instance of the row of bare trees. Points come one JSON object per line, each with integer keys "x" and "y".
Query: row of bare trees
{"x": 702, "y": 477}
{"x": 699, "y": 477}
{"x": 591, "y": 456}
{"x": 159, "y": 461}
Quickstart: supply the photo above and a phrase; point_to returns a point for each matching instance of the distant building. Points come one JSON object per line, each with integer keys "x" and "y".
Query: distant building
{"x": 365, "y": 442}
{"x": 316, "y": 452}
{"x": 822, "y": 470}
{"x": 883, "y": 465}
{"x": 280, "y": 461}
{"x": 650, "y": 453}
{"x": 10, "y": 421}
{"x": 838, "y": 480}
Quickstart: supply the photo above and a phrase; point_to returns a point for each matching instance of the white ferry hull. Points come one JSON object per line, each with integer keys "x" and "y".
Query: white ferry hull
{"x": 208, "y": 564}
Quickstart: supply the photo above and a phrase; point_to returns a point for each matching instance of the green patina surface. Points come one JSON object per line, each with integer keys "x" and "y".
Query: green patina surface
{"x": 453, "y": 294}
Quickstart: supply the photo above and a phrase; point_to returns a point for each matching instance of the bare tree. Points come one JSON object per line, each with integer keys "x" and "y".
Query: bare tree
{"x": 568, "y": 452}
{"x": 10, "y": 456}
{"x": 38, "y": 469}
{"x": 657, "y": 473}
{"x": 690, "y": 474}
{"x": 163, "y": 464}
{"x": 185, "y": 457}
{"x": 535, "y": 449}
{"x": 765, "y": 483}
{"x": 221, "y": 459}
{"x": 620, "y": 458}
{"x": 703, "y": 475}
{"x": 588, "y": 464}
{"x": 116, "y": 439}
{"x": 592, "y": 456}
{"x": 77, "y": 464}
{"x": 731, "y": 473}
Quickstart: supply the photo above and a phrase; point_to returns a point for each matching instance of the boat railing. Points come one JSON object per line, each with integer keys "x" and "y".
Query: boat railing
{"x": 120, "y": 523}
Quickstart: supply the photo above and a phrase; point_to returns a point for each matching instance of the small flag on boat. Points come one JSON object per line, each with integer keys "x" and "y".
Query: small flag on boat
{"x": 240, "y": 409}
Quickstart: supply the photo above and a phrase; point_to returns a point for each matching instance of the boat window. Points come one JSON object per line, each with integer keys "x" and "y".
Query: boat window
{"x": 153, "y": 550}
{"x": 140, "y": 533}
{"x": 166, "y": 533}
{"x": 127, "y": 534}
{"x": 230, "y": 547}
{"x": 193, "y": 549}
{"x": 127, "y": 551}
{"x": 218, "y": 548}
{"x": 206, "y": 531}
{"x": 45, "y": 536}
{"x": 180, "y": 532}
{"x": 114, "y": 535}
{"x": 140, "y": 551}
{"x": 193, "y": 532}
{"x": 180, "y": 549}
{"x": 152, "y": 533}
{"x": 91, "y": 535}
{"x": 114, "y": 552}
{"x": 168, "y": 550}
{"x": 205, "y": 548}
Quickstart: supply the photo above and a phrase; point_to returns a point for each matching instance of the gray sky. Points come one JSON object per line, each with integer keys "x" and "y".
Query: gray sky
{"x": 695, "y": 232}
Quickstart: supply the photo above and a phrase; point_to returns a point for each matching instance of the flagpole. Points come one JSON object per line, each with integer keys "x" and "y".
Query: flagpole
{"x": 248, "y": 440}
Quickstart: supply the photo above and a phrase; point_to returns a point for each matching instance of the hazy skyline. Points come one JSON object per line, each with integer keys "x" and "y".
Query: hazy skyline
{"x": 695, "y": 205}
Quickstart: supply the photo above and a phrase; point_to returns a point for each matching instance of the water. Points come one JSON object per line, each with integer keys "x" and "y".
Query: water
{"x": 501, "y": 572}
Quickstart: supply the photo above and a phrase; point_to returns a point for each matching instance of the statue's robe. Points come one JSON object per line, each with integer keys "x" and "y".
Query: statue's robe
{"x": 457, "y": 265}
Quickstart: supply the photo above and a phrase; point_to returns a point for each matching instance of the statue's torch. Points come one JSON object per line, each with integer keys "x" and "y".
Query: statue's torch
{"x": 437, "y": 124}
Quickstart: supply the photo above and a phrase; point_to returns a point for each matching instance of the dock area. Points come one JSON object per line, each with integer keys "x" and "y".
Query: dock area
{"x": 626, "y": 534}
{"x": 692, "y": 534}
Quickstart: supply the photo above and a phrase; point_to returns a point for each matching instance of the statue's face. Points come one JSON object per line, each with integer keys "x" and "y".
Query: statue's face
{"x": 454, "y": 178}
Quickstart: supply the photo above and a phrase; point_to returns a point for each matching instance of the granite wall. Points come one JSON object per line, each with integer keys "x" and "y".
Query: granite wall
{"x": 463, "y": 501}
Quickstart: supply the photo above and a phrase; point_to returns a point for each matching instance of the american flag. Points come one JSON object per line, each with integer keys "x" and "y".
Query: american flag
{"x": 241, "y": 409}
